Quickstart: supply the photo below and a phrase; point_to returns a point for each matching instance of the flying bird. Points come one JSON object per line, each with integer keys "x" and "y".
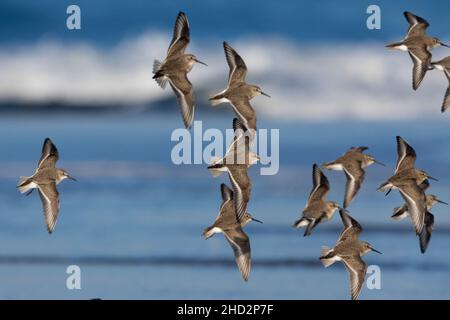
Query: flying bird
{"x": 418, "y": 44}
{"x": 176, "y": 66}
{"x": 45, "y": 179}
{"x": 352, "y": 163}
{"x": 349, "y": 249}
{"x": 317, "y": 209}
{"x": 236, "y": 162}
{"x": 238, "y": 93}
{"x": 228, "y": 223}
{"x": 444, "y": 65}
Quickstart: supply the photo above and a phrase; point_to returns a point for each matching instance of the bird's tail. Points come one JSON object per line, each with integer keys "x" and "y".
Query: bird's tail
{"x": 208, "y": 232}
{"x": 24, "y": 184}
{"x": 327, "y": 256}
{"x": 394, "y": 45}
{"x": 159, "y": 77}
{"x": 399, "y": 213}
{"x": 217, "y": 169}
{"x": 301, "y": 222}
{"x": 384, "y": 187}
{"x": 217, "y": 99}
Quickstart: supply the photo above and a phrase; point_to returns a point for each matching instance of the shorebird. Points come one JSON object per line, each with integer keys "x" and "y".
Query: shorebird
{"x": 238, "y": 93}
{"x": 401, "y": 213}
{"x": 352, "y": 163}
{"x": 444, "y": 65}
{"x": 418, "y": 44}
{"x": 236, "y": 162}
{"x": 410, "y": 182}
{"x": 228, "y": 223}
{"x": 317, "y": 209}
{"x": 349, "y": 250}
{"x": 176, "y": 66}
{"x": 45, "y": 179}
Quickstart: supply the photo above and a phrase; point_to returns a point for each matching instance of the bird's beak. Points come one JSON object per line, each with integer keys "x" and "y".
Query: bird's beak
{"x": 256, "y": 220}
{"x": 442, "y": 202}
{"x": 374, "y": 250}
{"x": 265, "y": 94}
{"x": 431, "y": 178}
{"x": 380, "y": 163}
{"x": 445, "y": 45}
{"x": 201, "y": 62}
{"x": 72, "y": 178}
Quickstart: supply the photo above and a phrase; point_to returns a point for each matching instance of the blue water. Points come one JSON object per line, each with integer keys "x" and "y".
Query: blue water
{"x": 110, "y": 21}
{"x": 133, "y": 222}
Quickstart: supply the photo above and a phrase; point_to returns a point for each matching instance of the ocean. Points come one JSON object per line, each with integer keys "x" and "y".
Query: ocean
{"x": 133, "y": 221}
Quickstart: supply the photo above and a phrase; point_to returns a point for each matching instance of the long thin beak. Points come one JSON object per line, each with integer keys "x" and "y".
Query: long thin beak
{"x": 431, "y": 178}
{"x": 445, "y": 45}
{"x": 72, "y": 178}
{"x": 376, "y": 251}
{"x": 442, "y": 202}
{"x": 201, "y": 62}
{"x": 256, "y": 220}
{"x": 265, "y": 94}
{"x": 380, "y": 163}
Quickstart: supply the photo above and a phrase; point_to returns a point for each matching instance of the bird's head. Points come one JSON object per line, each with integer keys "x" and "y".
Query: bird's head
{"x": 63, "y": 174}
{"x": 246, "y": 218}
{"x": 367, "y": 247}
{"x": 256, "y": 91}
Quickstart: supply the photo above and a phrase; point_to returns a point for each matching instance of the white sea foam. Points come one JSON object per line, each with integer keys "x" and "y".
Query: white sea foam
{"x": 357, "y": 81}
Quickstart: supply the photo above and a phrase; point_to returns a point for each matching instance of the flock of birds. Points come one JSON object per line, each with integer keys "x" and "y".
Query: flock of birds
{"x": 411, "y": 182}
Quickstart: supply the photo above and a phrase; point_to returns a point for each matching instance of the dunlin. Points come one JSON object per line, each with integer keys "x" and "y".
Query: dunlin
{"x": 175, "y": 67}
{"x": 408, "y": 180}
{"x": 418, "y": 44}
{"x": 45, "y": 179}
{"x": 236, "y": 162}
{"x": 352, "y": 163}
{"x": 228, "y": 223}
{"x": 444, "y": 65}
{"x": 317, "y": 209}
{"x": 349, "y": 250}
{"x": 238, "y": 93}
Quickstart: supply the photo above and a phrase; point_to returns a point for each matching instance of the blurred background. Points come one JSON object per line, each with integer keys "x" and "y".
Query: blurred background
{"x": 134, "y": 220}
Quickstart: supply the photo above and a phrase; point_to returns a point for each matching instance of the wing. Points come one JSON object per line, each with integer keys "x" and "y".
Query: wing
{"x": 185, "y": 96}
{"x": 227, "y": 194}
{"x": 356, "y": 268}
{"x": 416, "y": 202}
{"x": 425, "y": 235}
{"x": 238, "y": 69}
{"x": 421, "y": 58}
{"x": 240, "y": 244}
{"x": 406, "y": 156}
{"x": 49, "y": 155}
{"x": 241, "y": 188}
{"x": 321, "y": 186}
{"x": 180, "y": 38}
{"x": 244, "y": 111}
{"x": 355, "y": 177}
{"x": 352, "y": 229}
{"x": 417, "y": 25}
{"x": 446, "y": 102}
{"x": 50, "y": 201}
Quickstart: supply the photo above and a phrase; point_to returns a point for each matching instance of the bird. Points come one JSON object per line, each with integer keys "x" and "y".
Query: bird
{"x": 238, "y": 93}
{"x": 352, "y": 163}
{"x": 236, "y": 162}
{"x": 401, "y": 213}
{"x": 317, "y": 209}
{"x": 228, "y": 223}
{"x": 349, "y": 249}
{"x": 176, "y": 66}
{"x": 45, "y": 179}
{"x": 418, "y": 44}
{"x": 408, "y": 180}
{"x": 444, "y": 65}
